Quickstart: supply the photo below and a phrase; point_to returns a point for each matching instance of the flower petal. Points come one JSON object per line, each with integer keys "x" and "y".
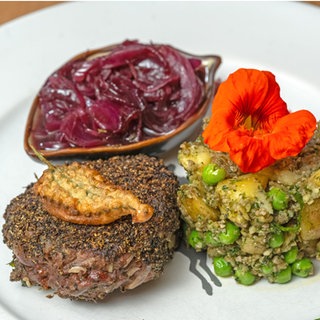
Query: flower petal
{"x": 246, "y": 92}
{"x": 250, "y": 153}
{"x": 256, "y": 93}
{"x": 251, "y": 122}
{"x": 272, "y": 107}
{"x": 291, "y": 133}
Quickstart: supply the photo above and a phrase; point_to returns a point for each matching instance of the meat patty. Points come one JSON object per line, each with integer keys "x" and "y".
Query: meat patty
{"x": 87, "y": 262}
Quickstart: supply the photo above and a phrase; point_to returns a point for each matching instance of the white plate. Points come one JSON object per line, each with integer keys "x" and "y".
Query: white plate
{"x": 278, "y": 36}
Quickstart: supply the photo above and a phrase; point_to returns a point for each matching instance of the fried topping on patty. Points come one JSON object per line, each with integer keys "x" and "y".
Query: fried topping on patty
{"x": 76, "y": 193}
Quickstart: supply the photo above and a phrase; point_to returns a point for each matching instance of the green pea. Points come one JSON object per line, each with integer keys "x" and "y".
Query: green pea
{"x": 209, "y": 240}
{"x": 283, "y": 276}
{"x": 276, "y": 240}
{"x": 291, "y": 255}
{"x": 302, "y": 268}
{"x": 267, "y": 268}
{"x": 231, "y": 234}
{"x": 195, "y": 240}
{"x": 245, "y": 277}
{"x": 279, "y": 198}
{"x": 222, "y": 268}
{"x": 212, "y": 174}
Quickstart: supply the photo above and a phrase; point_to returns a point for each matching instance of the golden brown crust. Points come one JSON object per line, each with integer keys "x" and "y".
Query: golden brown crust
{"x": 79, "y": 194}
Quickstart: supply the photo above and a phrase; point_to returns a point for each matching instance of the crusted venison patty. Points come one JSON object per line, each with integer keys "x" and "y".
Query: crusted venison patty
{"x": 88, "y": 262}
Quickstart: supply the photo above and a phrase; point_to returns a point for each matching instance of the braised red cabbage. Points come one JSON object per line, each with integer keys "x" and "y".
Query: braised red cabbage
{"x": 136, "y": 92}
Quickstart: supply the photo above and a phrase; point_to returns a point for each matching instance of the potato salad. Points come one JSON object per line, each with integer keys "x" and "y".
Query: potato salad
{"x": 254, "y": 225}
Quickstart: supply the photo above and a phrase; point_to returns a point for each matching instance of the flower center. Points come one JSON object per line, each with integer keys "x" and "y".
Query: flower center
{"x": 247, "y": 123}
{"x": 250, "y": 122}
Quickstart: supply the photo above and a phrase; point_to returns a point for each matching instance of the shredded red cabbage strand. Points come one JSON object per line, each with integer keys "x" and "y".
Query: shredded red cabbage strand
{"x": 136, "y": 92}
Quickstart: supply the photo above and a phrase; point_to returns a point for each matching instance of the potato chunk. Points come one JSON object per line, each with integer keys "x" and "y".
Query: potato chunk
{"x": 239, "y": 195}
{"x": 310, "y": 221}
{"x": 315, "y": 178}
{"x": 194, "y": 157}
{"x": 193, "y": 207}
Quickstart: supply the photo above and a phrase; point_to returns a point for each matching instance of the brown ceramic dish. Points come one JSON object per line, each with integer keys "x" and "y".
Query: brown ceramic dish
{"x": 206, "y": 71}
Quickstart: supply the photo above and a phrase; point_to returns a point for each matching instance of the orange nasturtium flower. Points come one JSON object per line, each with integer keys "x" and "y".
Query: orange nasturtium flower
{"x": 251, "y": 122}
